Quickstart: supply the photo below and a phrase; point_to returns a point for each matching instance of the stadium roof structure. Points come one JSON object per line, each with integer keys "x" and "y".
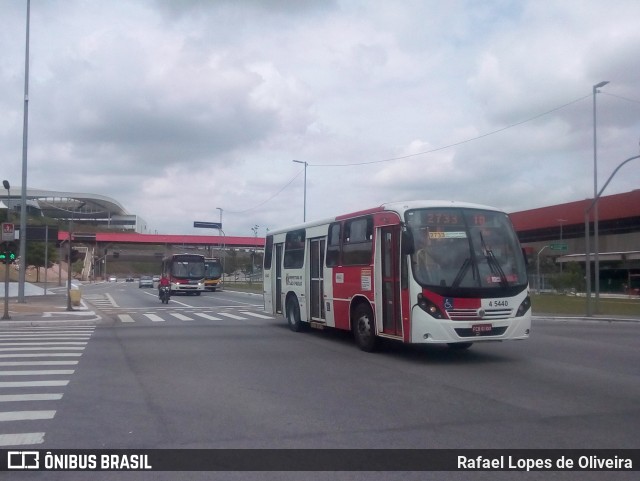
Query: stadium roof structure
{"x": 58, "y": 204}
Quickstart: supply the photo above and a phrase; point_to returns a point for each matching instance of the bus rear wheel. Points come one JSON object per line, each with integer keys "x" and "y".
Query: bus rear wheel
{"x": 293, "y": 314}
{"x": 364, "y": 330}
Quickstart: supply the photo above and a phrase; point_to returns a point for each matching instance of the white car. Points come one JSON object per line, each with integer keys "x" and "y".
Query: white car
{"x": 145, "y": 281}
{"x": 113, "y": 279}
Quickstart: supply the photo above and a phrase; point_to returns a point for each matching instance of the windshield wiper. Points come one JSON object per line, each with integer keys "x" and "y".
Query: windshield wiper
{"x": 493, "y": 262}
{"x": 462, "y": 272}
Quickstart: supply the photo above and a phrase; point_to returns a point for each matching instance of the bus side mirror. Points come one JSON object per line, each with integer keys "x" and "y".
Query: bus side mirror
{"x": 408, "y": 246}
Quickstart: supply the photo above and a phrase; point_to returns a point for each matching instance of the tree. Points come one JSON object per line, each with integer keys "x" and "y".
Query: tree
{"x": 571, "y": 278}
{"x": 36, "y": 255}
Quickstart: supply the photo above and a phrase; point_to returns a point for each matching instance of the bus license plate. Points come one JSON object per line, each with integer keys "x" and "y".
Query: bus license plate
{"x": 480, "y": 328}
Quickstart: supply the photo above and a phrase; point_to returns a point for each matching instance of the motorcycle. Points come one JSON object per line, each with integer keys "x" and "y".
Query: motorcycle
{"x": 165, "y": 294}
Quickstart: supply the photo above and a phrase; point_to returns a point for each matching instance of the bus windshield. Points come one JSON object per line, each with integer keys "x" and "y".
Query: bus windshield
{"x": 461, "y": 249}
{"x": 213, "y": 268}
{"x": 186, "y": 268}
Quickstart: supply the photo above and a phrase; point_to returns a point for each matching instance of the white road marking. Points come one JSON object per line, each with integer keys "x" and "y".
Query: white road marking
{"x": 52, "y": 343}
{"x": 53, "y": 354}
{"x": 30, "y": 397}
{"x": 112, "y": 300}
{"x": 207, "y": 316}
{"x": 26, "y": 415}
{"x": 21, "y": 439}
{"x": 33, "y": 383}
{"x": 41, "y": 336}
{"x": 41, "y": 348}
{"x": 37, "y": 363}
{"x": 41, "y": 372}
{"x": 232, "y": 316}
{"x": 255, "y": 314}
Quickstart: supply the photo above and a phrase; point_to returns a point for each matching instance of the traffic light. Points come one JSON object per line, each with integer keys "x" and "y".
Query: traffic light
{"x": 8, "y": 253}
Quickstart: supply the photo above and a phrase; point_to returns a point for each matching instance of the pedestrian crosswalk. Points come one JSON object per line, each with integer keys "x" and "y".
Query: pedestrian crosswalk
{"x": 36, "y": 364}
{"x": 101, "y": 301}
{"x": 188, "y": 316}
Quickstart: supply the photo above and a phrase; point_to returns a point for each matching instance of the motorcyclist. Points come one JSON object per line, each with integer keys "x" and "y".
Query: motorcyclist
{"x": 163, "y": 282}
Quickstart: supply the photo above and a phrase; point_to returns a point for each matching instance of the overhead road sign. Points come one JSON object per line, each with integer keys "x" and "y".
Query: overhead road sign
{"x": 208, "y": 225}
{"x": 559, "y": 246}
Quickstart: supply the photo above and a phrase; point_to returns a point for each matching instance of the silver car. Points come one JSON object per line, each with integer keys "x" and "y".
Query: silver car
{"x": 145, "y": 281}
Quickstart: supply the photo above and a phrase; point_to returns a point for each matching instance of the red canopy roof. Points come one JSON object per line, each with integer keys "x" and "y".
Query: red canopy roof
{"x": 617, "y": 206}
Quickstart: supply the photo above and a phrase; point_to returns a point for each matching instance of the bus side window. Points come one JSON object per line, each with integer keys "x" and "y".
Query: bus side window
{"x": 358, "y": 242}
{"x": 294, "y": 249}
{"x": 333, "y": 245}
{"x": 268, "y": 252}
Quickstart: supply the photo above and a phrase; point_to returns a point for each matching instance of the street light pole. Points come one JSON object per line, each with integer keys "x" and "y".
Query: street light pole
{"x": 70, "y": 251}
{"x": 6, "y": 315}
{"x": 222, "y": 251}
{"x": 23, "y": 196}
{"x": 538, "y": 268}
{"x": 304, "y": 215}
{"x": 561, "y": 221}
{"x": 586, "y": 228}
{"x": 596, "y": 247}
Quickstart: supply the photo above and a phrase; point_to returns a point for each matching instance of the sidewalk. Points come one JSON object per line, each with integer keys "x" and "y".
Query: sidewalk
{"x": 46, "y": 310}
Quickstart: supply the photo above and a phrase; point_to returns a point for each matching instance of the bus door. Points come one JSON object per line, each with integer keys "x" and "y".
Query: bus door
{"x": 278, "y": 279}
{"x": 390, "y": 275}
{"x": 316, "y": 280}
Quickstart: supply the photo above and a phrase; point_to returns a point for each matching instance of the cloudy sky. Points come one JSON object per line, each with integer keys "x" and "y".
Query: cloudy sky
{"x": 178, "y": 107}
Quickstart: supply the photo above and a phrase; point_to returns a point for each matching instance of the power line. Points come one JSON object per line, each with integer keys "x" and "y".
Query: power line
{"x": 493, "y": 132}
{"x": 621, "y": 97}
{"x": 267, "y": 200}
{"x": 456, "y": 143}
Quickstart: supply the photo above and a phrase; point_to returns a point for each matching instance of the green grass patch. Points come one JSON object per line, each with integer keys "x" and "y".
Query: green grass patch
{"x": 574, "y": 305}
{"x": 255, "y": 287}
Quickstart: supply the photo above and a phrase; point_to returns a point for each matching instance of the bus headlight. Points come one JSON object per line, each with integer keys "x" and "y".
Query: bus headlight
{"x": 524, "y": 307}
{"x": 429, "y": 307}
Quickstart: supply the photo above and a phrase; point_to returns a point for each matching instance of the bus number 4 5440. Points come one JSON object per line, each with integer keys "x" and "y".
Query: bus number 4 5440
{"x": 501, "y": 303}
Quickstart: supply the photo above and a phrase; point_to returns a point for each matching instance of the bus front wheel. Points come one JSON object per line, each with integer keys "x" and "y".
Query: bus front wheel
{"x": 364, "y": 329}
{"x": 293, "y": 314}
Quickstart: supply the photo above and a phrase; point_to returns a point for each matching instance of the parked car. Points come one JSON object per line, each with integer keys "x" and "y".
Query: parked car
{"x": 156, "y": 278}
{"x": 129, "y": 279}
{"x": 145, "y": 281}
{"x": 113, "y": 279}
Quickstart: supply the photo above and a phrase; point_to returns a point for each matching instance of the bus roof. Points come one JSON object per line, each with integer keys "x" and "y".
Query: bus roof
{"x": 399, "y": 207}
{"x": 423, "y": 204}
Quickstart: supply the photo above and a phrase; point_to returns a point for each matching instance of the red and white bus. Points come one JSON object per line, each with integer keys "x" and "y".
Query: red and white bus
{"x": 185, "y": 272}
{"x": 418, "y": 272}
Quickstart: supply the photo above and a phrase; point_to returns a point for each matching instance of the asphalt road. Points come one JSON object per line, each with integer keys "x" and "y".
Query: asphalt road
{"x": 249, "y": 382}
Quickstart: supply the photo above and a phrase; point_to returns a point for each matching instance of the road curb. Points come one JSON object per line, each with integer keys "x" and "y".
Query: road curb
{"x": 551, "y": 317}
